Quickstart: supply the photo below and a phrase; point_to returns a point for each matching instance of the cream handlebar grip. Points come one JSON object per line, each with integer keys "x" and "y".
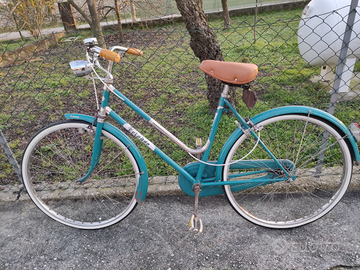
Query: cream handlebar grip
{"x": 112, "y": 56}
{"x": 134, "y": 51}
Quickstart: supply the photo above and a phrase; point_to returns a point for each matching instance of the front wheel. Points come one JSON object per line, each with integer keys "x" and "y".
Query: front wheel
{"x": 316, "y": 158}
{"x": 60, "y": 155}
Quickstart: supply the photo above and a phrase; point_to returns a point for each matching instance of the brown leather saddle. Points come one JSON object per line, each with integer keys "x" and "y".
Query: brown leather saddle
{"x": 235, "y": 74}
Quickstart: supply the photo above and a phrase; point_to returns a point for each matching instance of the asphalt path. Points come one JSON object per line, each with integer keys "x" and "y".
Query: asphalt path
{"x": 48, "y": 31}
{"x": 156, "y": 236}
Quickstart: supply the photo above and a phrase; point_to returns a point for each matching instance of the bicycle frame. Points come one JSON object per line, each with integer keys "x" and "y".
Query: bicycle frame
{"x": 105, "y": 109}
{"x": 247, "y": 127}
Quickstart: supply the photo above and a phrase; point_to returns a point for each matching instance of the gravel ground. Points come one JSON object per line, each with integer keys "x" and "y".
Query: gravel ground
{"x": 156, "y": 236}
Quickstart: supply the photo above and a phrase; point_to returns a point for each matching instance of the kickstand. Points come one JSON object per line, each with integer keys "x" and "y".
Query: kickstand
{"x": 194, "y": 220}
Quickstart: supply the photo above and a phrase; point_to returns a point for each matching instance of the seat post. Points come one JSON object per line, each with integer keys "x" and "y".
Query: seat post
{"x": 225, "y": 91}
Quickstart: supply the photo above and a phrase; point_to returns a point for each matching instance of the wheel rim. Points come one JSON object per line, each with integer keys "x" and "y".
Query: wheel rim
{"x": 293, "y": 204}
{"x": 59, "y": 155}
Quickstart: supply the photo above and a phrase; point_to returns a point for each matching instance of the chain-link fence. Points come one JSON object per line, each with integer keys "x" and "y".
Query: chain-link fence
{"x": 37, "y": 88}
{"x": 131, "y": 11}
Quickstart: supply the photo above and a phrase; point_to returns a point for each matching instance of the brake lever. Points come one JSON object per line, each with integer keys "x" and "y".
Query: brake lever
{"x": 96, "y": 62}
{"x": 122, "y": 55}
{"x": 130, "y": 63}
{"x": 89, "y": 77}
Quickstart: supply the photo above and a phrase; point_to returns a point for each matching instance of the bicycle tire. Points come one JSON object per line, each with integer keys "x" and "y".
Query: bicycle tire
{"x": 296, "y": 141}
{"x": 59, "y": 155}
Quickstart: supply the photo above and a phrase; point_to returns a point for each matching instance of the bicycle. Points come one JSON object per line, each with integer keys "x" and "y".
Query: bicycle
{"x": 87, "y": 174}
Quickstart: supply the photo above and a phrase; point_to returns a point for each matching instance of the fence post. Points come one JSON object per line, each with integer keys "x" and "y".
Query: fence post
{"x": 10, "y": 156}
{"x": 339, "y": 70}
{"x": 343, "y": 53}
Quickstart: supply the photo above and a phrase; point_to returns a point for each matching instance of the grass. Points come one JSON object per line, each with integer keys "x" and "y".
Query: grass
{"x": 166, "y": 83}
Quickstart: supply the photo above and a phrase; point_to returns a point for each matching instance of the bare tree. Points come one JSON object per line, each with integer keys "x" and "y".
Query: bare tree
{"x": 30, "y": 14}
{"x": 93, "y": 20}
{"x": 118, "y": 7}
{"x": 204, "y": 44}
{"x": 95, "y": 23}
{"x": 82, "y": 13}
{"x": 133, "y": 11}
{"x": 7, "y": 14}
{"x": 226, "y": 14}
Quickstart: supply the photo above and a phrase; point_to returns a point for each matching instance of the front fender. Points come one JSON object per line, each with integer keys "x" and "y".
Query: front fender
{"x": 336, "y": 123}
{"x": 143, "y": 180}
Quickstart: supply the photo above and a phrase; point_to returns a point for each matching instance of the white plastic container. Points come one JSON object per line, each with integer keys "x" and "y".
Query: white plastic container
{"x": 321, "y": 31}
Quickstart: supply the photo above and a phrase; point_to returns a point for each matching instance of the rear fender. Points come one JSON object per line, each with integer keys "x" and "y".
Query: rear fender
{"x": 312, "y": 112}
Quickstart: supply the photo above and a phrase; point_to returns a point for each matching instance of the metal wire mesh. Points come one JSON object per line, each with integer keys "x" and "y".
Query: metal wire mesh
{"x": 37, "y": 89}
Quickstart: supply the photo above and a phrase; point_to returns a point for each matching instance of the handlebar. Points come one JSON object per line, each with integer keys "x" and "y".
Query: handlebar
{"x": 91, "y": 43}
{"x": 92, "y": 54}
{"x": 109, "y": 55}
{"x": 134, "y": 51}
{"x": 127, "y": 50}
{"x": 113, "y": 56}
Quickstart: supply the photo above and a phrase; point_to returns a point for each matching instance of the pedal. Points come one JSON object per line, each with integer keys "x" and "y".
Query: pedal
{"x": 193, "y": 224}
{"x": 198, "y": 145}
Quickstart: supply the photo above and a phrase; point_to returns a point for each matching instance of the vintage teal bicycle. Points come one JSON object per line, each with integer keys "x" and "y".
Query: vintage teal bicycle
{"x": 283, "y": 168}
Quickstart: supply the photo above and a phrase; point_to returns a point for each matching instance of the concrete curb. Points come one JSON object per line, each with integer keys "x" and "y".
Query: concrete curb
{"x": 158, "y": 185}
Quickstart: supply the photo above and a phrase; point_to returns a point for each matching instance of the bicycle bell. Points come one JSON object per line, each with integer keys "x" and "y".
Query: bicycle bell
{"x": 81, "y": 68}
{"x": 90, "y": 42}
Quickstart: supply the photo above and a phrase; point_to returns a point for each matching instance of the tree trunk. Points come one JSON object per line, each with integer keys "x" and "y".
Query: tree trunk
{"x": 204, "y": 44}
{"x": 17, "y": 27}
{"x": 67, "y": 16}
{"x": 96, "y": 27}
{"x": 118, "y": 15}
{"x": 82, "y": 13}
{"x": 133, "y": 11}
{"x": 226, "y": 14}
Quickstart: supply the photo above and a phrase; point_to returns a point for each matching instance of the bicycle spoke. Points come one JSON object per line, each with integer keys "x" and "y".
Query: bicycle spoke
{"x": 296, "y": 141}
{"x": 53, "y": 167}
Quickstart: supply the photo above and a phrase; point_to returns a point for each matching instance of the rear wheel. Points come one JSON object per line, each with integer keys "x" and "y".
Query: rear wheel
{"x": 59, "y": 155}
{"x": 316, "y": 157}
